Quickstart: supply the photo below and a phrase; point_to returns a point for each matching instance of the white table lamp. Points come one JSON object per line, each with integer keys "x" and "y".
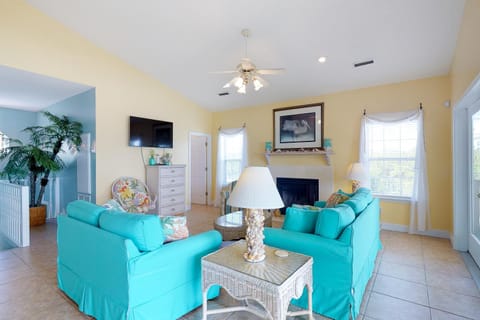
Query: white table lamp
{"x": 356, "y": 174}
{"x": 255, "y": 191}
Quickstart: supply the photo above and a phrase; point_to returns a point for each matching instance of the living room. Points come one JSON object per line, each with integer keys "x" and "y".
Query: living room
{"x": 35, "y": 42}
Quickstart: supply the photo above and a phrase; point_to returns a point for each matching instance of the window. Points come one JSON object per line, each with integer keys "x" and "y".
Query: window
{"x": 231, "y": 158}
{"x": 4, "y": 142}
{"x": 391, "y": 152}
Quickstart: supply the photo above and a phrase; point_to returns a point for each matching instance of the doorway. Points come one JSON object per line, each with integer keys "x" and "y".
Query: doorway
{"x": 466, "y": 172}
{"x": 474, "y": 212}
{"x": 200, "y": 172}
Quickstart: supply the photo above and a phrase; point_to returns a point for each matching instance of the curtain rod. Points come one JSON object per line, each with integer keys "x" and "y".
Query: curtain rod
{"x": 243, "y": 126}
{"x": 365, "y": 110}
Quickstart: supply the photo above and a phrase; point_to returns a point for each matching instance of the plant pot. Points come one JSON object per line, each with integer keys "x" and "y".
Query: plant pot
{"x": 38, "y": 215}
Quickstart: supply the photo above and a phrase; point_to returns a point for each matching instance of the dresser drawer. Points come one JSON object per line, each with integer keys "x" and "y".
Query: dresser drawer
{"x": 171, "y": 191}
{"x": 176, "y": 208}
{"x": 172, "y": 171}
{"x": 173, "y": 199}
{"x": 171, "y": 181}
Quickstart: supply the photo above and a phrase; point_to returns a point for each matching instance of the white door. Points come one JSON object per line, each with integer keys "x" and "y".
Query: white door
{"x": 199, "y": 168}
{"x": 474, "y": 216}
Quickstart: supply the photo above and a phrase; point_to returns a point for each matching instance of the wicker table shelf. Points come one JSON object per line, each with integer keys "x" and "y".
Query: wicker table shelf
{"x": 272, "y": 282}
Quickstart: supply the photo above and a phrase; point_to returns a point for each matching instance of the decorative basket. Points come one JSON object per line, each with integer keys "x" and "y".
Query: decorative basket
{"x": 38, "y": 215}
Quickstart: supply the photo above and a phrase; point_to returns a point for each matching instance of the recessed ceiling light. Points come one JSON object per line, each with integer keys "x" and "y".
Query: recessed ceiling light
{"x": 322, "y": 59}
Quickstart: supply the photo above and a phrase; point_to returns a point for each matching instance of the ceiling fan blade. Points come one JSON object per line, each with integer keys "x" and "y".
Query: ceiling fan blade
{"x": 224, "y": 72}
{"x": 270, "y": 71}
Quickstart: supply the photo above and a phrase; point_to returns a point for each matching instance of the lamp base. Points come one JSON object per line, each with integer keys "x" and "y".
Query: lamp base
{"x": 254, "y": 237}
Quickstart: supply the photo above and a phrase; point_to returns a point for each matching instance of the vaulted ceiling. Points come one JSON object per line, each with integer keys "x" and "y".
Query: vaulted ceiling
{"x": 180, "y": 42}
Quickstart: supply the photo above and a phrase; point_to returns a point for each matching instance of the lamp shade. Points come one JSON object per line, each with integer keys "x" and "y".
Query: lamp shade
{"x": 356, "y": 172}
{"x": 255, "y": 189}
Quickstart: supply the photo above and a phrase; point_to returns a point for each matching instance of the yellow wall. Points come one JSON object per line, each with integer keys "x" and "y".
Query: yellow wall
{"x": 32, "y": 41}
{"x": 466, "y": 64}
{"x": 342, "y": 124}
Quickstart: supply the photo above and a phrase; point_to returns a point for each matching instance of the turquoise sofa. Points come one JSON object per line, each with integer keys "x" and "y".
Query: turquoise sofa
{"x": 343, "y": 242}
{"x": 115, "y": 265}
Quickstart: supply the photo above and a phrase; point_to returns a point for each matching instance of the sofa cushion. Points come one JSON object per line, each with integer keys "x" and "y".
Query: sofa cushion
{"x": 174, "y": 228}
{"x": 143, "y": 229}
{"x": 84, "y": 211}
{"x": 300, "y": 220}
{"x": 332, "y": 221}
{"x": 360, "y": 200}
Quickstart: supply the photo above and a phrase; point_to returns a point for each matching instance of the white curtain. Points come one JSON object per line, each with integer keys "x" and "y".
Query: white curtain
{"x": 419, "y": 206}
{"x": 228, "y": 138}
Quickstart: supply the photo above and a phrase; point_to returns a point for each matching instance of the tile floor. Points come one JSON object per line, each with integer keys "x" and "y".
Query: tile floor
{"x": 416, "y": 277}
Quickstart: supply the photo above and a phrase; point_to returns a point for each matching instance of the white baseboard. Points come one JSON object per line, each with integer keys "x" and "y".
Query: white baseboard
{"x": 403, "y": 228}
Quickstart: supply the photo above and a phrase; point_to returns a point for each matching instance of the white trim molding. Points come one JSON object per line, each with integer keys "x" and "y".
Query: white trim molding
{"x": 403, "y": 228}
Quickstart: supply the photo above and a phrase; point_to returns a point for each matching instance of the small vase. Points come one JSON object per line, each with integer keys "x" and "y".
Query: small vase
{"x": 152, "y": 161}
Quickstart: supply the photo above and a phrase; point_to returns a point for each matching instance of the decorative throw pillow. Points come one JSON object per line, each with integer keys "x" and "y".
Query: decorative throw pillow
{"x": 306, "y": 206}
{"x": 174, "y": 228}
{"x": 113, "y": 204}
{"x": 336, "y": 198}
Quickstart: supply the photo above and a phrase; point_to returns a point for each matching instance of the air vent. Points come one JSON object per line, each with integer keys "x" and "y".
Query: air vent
{"x": 223, "y": 94}
{"x": 361, "y": 64}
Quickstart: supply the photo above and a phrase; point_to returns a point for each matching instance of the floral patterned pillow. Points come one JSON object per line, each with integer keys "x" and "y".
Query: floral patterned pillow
{"x": 131, "y": 194}
{"x": 174, "y": 228}
{"x": 336, "y": 198}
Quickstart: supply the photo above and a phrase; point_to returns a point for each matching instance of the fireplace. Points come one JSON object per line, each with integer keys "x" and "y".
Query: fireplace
{"x": 298, "y": 191}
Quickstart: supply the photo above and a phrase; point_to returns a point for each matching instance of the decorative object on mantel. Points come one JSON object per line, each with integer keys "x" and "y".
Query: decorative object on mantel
{"x": 255, "y": 191}
{"x": 356, "y": 173}
{"x": 298, "y": 127}
{"x": 327, "y": 144}
{"x": 300, "y": 152}
{"x": 268, "y": 146}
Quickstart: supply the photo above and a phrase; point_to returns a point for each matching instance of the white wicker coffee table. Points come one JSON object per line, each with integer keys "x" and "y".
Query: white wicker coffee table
{"x": 272, "y": 282}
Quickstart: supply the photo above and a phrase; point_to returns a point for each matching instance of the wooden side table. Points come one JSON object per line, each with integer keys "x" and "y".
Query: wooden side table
{"x": 232, "y": 226}
{"x": 272, "y": 282}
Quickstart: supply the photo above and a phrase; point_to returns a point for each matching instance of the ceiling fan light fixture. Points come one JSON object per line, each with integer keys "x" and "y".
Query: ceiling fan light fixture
{"x": 238, "y": 82}
{"x": 257, "y": 84}
{"x": 242, "y": 89}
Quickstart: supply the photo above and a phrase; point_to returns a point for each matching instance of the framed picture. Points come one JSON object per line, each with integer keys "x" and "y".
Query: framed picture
{"x": 299, "y": 127}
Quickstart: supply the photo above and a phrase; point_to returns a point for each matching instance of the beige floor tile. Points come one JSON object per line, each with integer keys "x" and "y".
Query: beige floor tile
{"x": 6, "y": 254}
{"x": 447, "y": 254}
{"x": 382, "y": 307}
{"x": 457, "y": 304}
{"x": 442, "y": 315}
{"x": 12, "y": 262}
{"x": 462, "y": 285}
{"x": 452, "y": 268}
{"x": 405, "y": 259}
{"x": 402, "y": 289}
{"x": 403, "y": 272}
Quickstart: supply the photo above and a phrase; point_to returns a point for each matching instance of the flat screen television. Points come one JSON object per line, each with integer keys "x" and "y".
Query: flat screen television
{"x": 150, "y": 133}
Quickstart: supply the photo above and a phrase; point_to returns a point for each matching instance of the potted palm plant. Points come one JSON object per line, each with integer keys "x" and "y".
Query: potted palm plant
{"x": 38, "y": 158}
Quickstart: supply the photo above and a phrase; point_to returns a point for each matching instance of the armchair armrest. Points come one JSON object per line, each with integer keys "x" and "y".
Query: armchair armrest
{"x": 172, "y": 264}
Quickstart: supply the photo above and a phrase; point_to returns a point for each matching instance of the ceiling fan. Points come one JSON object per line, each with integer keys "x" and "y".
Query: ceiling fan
{"x": 246, "y": 72}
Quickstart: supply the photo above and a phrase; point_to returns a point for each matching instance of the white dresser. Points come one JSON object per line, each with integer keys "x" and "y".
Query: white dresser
{"x": 168, "y": 184}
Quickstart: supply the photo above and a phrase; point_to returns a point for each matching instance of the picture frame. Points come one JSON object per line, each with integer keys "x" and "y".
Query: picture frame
{"x": 298, "y": 127}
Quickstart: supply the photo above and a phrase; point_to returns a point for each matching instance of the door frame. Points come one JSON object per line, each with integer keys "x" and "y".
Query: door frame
{"x": 209, "y": 164}
{"x": 462, "y": 201}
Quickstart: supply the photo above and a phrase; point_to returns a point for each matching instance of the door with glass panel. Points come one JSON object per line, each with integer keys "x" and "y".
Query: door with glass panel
{"x": 474, "y": 216}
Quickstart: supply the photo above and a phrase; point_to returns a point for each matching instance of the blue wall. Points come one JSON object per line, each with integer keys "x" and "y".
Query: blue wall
{"x": 12, "y": 122}
{"x": 79, "y": 108}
